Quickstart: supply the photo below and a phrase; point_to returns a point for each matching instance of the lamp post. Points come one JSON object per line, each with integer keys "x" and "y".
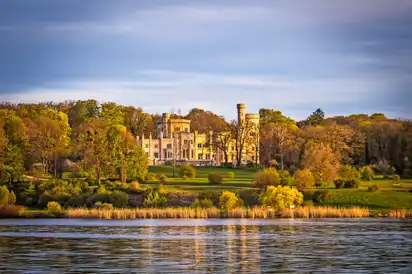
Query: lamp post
{"x": 291, "y": 210}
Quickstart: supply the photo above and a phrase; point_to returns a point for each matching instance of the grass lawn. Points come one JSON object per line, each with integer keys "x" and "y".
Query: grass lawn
{"x": 389, "y": 196}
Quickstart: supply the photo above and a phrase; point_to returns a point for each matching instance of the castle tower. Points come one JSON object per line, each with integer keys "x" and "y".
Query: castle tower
{"x": 241, "y": 113}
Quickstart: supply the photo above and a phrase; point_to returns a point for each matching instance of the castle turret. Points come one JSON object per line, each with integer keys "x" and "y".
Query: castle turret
{"x": 241, "y": 113}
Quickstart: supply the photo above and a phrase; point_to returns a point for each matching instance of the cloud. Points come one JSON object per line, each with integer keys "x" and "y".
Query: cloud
{"x": 162, "y": 90}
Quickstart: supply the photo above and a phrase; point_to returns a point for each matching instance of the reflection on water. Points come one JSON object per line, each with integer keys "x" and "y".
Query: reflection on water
{"x": 204, "y": 246}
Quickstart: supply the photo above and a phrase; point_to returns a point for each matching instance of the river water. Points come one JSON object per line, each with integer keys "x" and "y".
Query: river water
{"x": 205, "y": 246}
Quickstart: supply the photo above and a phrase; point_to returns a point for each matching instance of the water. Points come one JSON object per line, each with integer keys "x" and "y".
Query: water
{"x": 205, "y": 246}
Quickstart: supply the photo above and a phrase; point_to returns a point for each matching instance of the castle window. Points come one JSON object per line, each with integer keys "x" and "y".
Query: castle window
{"x": 156, "y": 155}
{"x": 186, "y": 129}
{"x": 177, "y": 129}
{"x": 199, "y": 145}
{"x": 147, "y": 145}
{"x": 169, "y": 145}
{"x": 156, "y": 146}
{"x": 233, "y": 148}
{"x": 200, "y": 156}
{"x": 185, "y": 142}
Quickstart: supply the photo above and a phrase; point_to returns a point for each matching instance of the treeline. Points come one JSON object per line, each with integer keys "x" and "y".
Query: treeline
{"x": 99, "y": 139}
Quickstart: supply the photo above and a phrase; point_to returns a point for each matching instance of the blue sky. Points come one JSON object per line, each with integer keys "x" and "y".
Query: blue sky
{"x": 343, "y": 56}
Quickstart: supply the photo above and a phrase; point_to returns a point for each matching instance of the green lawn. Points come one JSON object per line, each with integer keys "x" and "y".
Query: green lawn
{"x": 388, "y": 197}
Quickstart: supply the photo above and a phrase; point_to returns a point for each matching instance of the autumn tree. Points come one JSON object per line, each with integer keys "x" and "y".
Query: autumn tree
{"x": 322, "y": 162}
{"x": 137, "y": 121}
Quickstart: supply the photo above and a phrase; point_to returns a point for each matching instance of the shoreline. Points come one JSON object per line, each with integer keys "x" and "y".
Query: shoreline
{"x": 212, "y": 213}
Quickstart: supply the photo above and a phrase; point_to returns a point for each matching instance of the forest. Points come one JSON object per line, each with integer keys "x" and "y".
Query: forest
{"x": 94, "y": 143}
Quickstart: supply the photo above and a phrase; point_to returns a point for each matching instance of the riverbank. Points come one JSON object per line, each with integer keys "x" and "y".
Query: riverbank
{"x": 206, "y": 213}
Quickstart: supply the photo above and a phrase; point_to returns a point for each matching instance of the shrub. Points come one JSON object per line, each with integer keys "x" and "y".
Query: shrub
{"x": 45, "y": 198}
{"x": 374, "y": 188}
{"x": 12, "y": 211}
{"x": 101, "y": 205}
{"x": 150, "y": 176}
{"x": 6, "y": 197}
{"x": 230, "y": 175}
{"x": 134, "y": 186}
{"x": 78, "y": 201}
{"x": 396, "y": 178}
{"x": 339, "y": 183}
{"x": 101, "y": 190}
{"x": 229, "y": 200}
{"x": 304, "y": 179}
{"x": 155, "y": 199}
{"x": 162, "y": 178}
{"x": 116, "y": 185}
{"x": 187, "y": 170}
{"x": 119, "y": 198}
{"x": 367, "y": 173}
{"x": 352, "y": 183}
{"x": 348, "y": 172}
{"x": 215, "y": 178}
{"x": 322, "y": 196}
{"x": 384, "y": 169}
{"x": 267, "y": 177}
{"x": 185, "y": 177}
{"x": 285, "y": 178}
{"x": 54, "y": 208}
{"x": 205, "y": 203}
{"x": 99, "y": 197}
{"x": 280, "y": 197}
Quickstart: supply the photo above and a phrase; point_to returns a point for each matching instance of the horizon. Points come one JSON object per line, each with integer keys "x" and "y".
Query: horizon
{"x": 344, "y": 57}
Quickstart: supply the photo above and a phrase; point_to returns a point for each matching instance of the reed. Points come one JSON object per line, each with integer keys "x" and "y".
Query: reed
{"x": 400, "y": 213}
{"x": 204, "y": 213}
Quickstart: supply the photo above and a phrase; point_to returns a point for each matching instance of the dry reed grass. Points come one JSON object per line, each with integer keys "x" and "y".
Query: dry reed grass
{"x": 192, "y": 213}
{"x": 400, "y": 213}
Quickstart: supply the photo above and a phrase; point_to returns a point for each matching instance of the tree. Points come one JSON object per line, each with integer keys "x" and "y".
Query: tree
{"x": 276, "y": 131}
{"x": 367, "y": 173}
{"x": 93, "y": 146}
{"x": 322, "y": 162}
{"x": 267, "y": 177}
{"x": 280, "y": 197}
{"x": 241, "y": 132}
{"x": 123, "y": 145}
{"x": 229, "y": 200}
{"x": 113, "y": 113}
{"x": 304, "y": 179}
{"x": 137, "y": 121}
{"x": 315, "y": 119}
{"x": 205, "y": 121}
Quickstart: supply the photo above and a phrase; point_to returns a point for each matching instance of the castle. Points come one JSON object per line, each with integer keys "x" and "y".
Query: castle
{"x": 177, "y": 142}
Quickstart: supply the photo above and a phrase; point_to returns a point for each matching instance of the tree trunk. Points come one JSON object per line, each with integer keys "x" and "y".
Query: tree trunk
{"x": 281, "y": 161}
{"x": 123, "y": 170}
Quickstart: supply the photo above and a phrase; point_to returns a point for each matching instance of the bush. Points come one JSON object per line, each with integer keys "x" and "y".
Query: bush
{"x": 285, "y": 178}
{"x": 280, "y": 197}
{"x": 384, "y": 169}
{"x": 54, "y": 208}
{"x": 150, "y": 176}
{"x": 134, "y": 187}
{"x": 12, "y": 211}
{"x": 230, "y": 175}
{"x": 229, "y": 200}
{"x": 116, "y": 185}
{"x": 187, "y": 170}
{"x": 162, "y": 178}
{"x": 155, "y": 199}
{"x": 205, "y": 203}
{"x": 396, "y": 178}
{"x": 339, "y": 183}
{"x": 374, "y": 188}
{"x": 304, "y": 179}
{"x": 119, "y": 199}
{"x": 101, "y": 205}
{"x": 6, "y": 197}
{"x": 185, "y": 177}
{"x": 367, "y": 173}
{"x": 267, "y": 177}
{"x": 322, "y": 196}
{"x": 215, "y": 178}
{"x": 352, "y": 183}
{"x": 99, "y": 197}
{"x": 78, "y": 201}
{"x": 348, "y": 172}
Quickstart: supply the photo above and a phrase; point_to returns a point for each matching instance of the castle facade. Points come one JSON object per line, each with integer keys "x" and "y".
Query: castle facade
{"x": 177, "y": 142}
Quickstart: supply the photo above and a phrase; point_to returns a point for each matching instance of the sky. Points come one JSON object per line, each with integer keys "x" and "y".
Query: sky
{"x": 295, "y": 56}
